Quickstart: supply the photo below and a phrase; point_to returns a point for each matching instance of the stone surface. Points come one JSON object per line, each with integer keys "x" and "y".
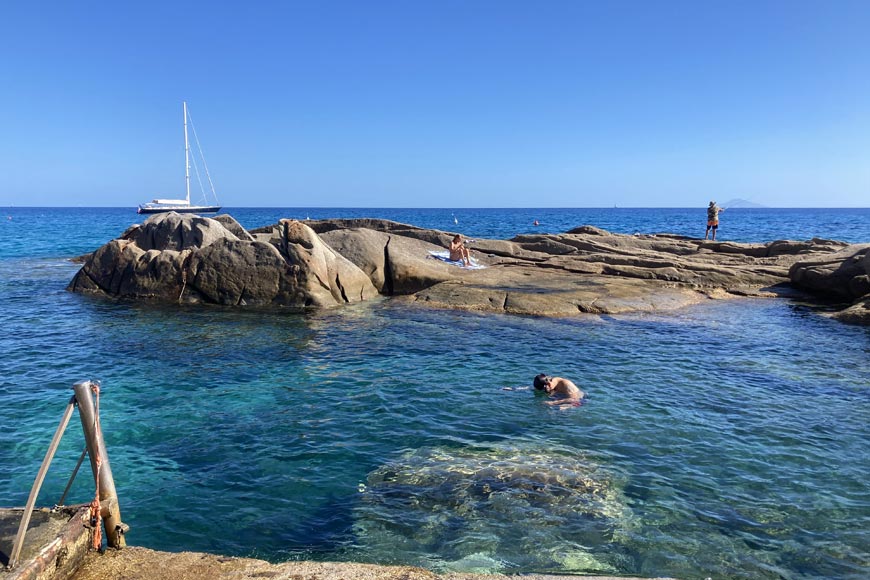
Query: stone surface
{"x": 324, "y": 263}
{"x": 135, "y": 563}
{"x": 842, "y": 276}
{"x": 54, "y": 547}
{"x": 857, "y": 313}
{"x": 190, "y": 259}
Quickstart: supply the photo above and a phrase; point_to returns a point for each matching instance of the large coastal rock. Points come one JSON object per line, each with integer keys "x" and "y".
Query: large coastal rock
{"x": 842, "y": 277}
{"x": 191, "y": 259}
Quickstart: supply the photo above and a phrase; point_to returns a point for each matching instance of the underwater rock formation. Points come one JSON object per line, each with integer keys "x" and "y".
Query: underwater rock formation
{"x": 480, "y": 507}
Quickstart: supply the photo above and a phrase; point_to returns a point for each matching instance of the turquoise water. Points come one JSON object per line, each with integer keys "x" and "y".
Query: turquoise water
{"x": 725, "y": 440}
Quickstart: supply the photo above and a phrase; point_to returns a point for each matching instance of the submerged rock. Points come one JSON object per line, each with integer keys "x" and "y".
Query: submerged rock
{"x": 857, "y": 313}
{"x": 478, "y": 508}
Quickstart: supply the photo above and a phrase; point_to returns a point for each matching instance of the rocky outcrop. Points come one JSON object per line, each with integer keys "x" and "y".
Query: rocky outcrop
{"x": 842, "y": 277}
{"x": 589, "y": 270}
{"x": 191, "y": 259}
{"x": 324, "y": 263}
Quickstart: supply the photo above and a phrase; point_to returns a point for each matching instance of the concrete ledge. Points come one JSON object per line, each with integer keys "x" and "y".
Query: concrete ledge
{"x": 55, "y": 544}
{"x": 135, "y": 563}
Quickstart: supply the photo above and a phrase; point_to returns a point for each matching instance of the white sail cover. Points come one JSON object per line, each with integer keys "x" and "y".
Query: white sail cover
{"x": 172, "y": 201}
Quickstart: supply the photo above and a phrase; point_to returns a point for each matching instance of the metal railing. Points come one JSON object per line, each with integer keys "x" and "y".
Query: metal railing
{"x": 105, "y": 504}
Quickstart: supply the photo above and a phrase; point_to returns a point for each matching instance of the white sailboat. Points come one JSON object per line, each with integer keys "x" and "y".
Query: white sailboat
{"x": 183, "y": 205}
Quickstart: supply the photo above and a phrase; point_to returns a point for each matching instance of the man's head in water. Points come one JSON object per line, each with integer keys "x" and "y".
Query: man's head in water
{"x": 561, "y": 391}
{"x": 541, "y": 382}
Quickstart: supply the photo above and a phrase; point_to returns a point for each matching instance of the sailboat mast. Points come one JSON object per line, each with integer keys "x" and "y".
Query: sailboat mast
{"x": 186, "y": 156}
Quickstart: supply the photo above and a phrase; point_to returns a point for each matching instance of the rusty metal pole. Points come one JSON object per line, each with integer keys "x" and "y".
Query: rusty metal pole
{"x": 111, "y": 511}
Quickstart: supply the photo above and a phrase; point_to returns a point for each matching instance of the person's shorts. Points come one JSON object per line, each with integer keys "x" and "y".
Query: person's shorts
{"x": 712, "y": 223}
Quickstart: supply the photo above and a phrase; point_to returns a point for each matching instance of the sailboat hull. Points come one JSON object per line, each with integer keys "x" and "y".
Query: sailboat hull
{"x": 154, "y": 208}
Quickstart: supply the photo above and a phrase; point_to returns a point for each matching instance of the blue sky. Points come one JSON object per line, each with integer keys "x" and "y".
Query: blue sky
{"x": 439, "y": 103}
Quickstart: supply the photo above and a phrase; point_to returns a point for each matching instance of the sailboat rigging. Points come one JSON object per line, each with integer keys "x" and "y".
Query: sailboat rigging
{"x": 183, "y": 205}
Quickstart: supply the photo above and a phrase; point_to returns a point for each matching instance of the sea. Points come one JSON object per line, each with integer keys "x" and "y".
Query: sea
{"x": 728, "y": 439}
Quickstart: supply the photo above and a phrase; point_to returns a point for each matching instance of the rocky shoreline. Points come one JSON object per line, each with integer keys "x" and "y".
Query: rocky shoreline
{"x": 134, "y": 563}
{"x": 189, "y": 259}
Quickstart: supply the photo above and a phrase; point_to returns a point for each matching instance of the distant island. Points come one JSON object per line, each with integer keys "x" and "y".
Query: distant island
{"x": 742, "y": 203}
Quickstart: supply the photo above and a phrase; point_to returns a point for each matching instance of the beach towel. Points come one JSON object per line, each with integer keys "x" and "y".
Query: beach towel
{"x": 444, "y": 256}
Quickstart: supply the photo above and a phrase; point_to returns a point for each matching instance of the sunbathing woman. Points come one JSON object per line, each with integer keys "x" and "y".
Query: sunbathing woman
{"x": 458, "y": 251}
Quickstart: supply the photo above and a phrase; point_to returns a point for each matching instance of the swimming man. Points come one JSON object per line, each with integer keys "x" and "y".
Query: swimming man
{"x": 562, "y": 391}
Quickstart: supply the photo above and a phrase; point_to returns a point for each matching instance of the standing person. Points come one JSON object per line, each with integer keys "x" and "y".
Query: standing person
{"x": 563, "y": 391}
{"x": 713, "y": 219}
{"x": 458, "y": 251}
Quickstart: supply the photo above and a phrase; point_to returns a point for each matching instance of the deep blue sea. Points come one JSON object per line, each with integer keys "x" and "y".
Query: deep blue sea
{"x": 725, "y": 440}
